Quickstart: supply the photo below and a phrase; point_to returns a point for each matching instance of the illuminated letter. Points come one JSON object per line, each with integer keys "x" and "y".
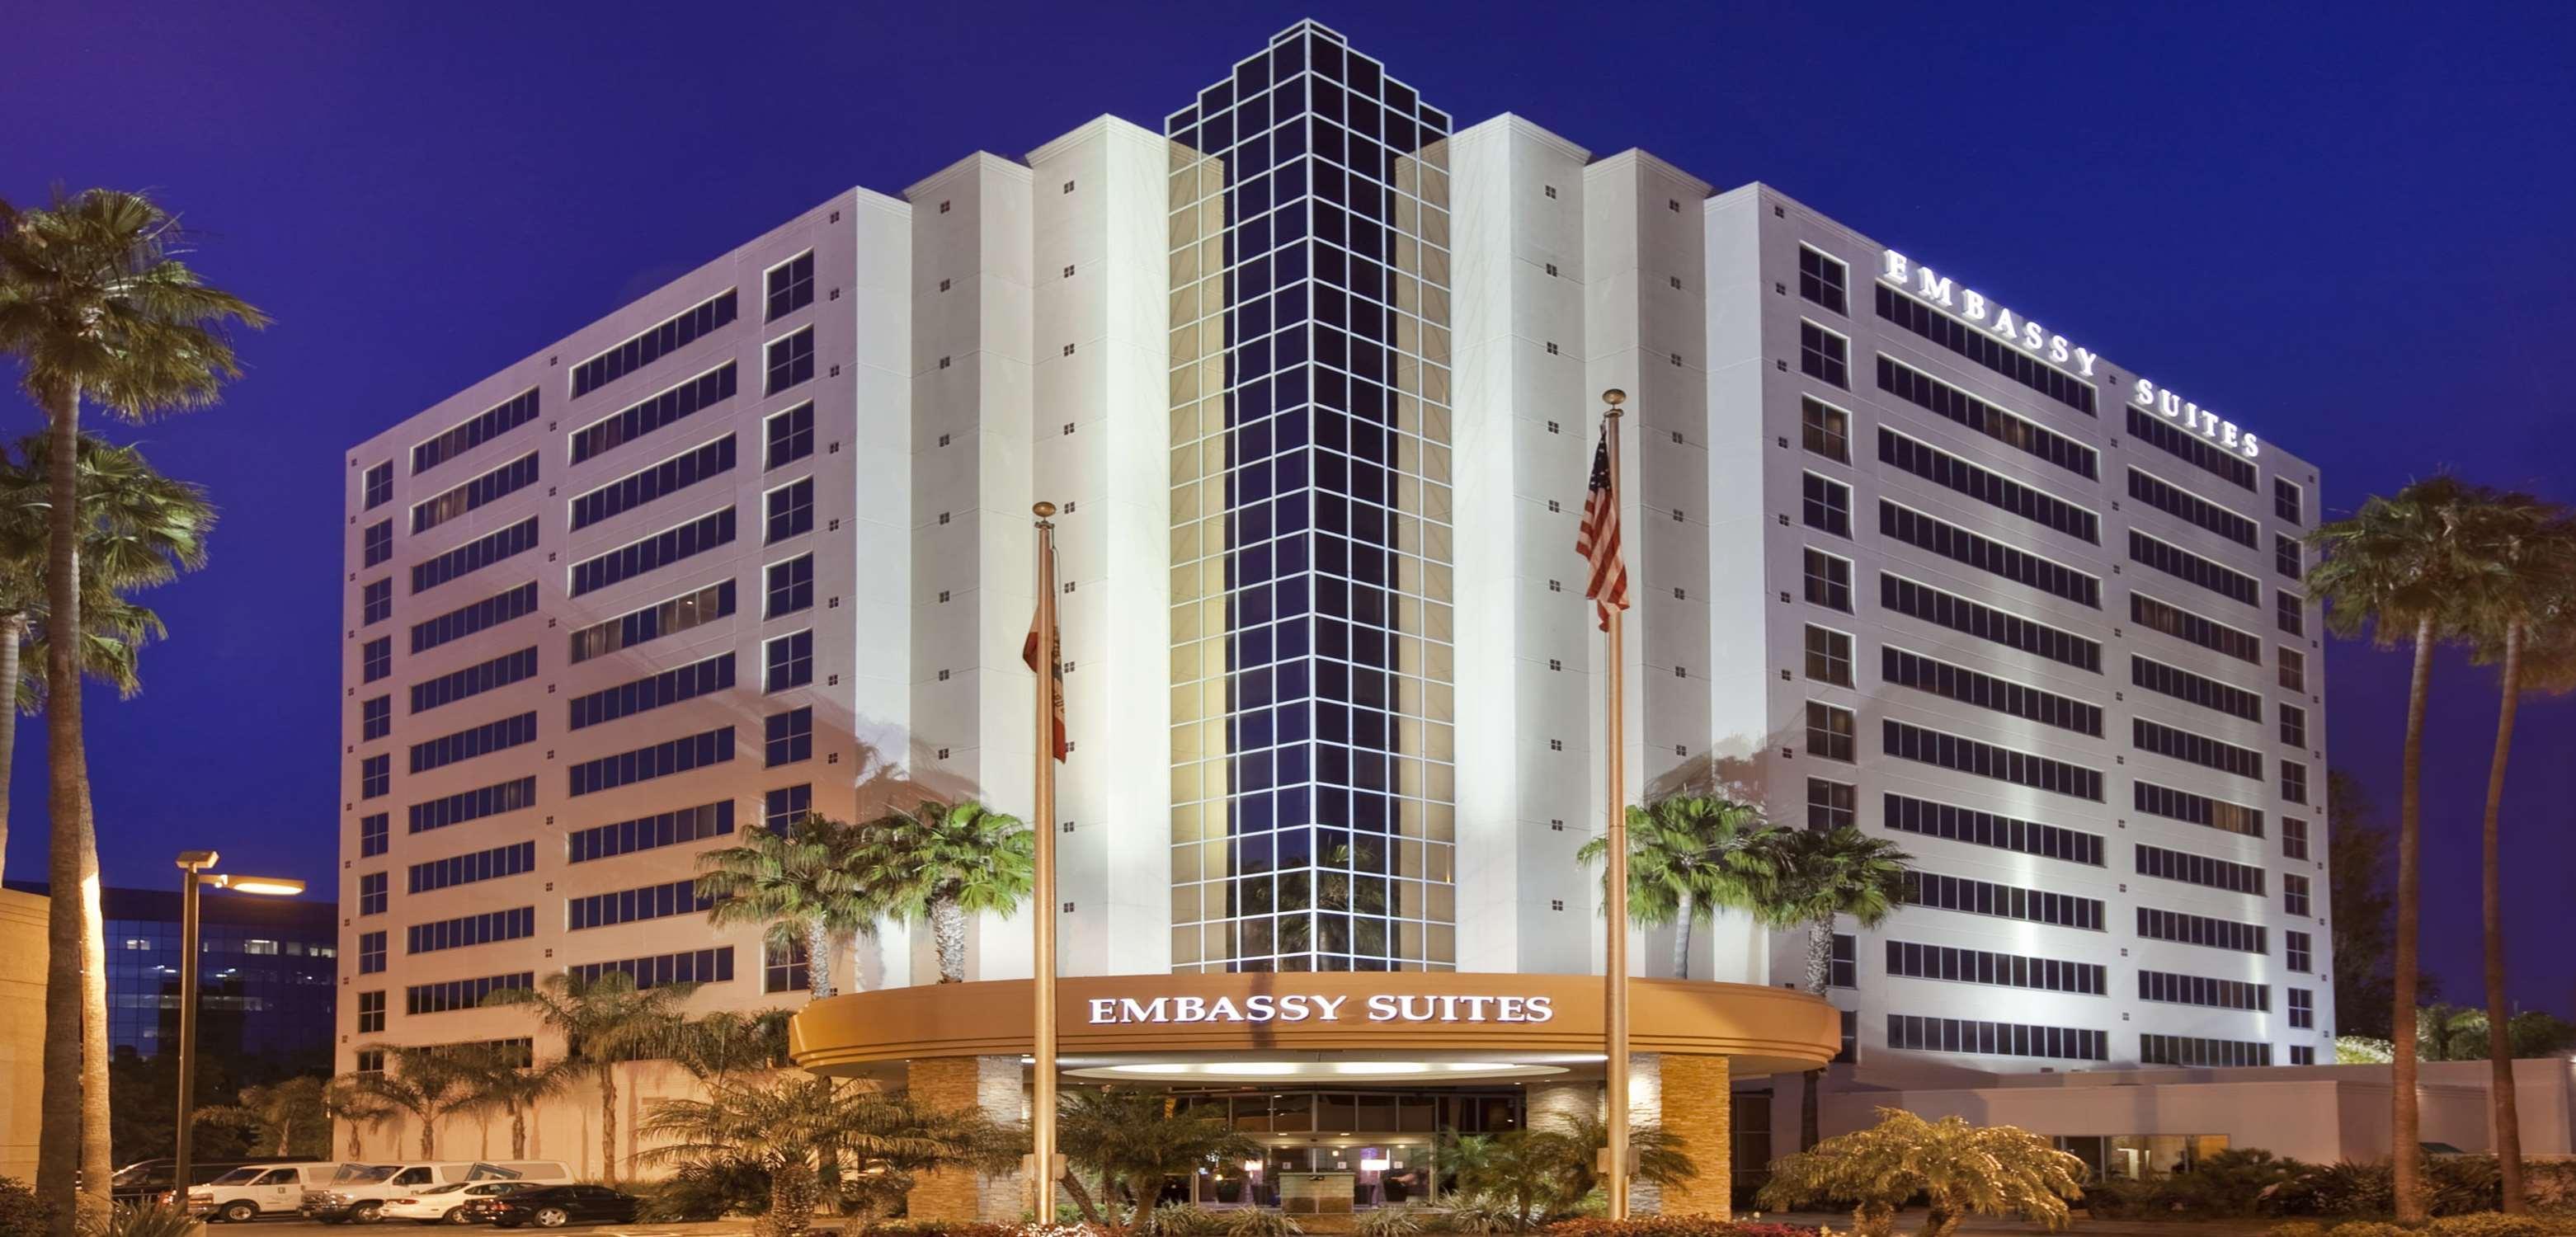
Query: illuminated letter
{"x": 2004, "y": 323}
{"x": 1260, "y": 1008}
{"x": 2031, "y": 336}
{"x": 2227, "y": 432}
{"x": 1510, "y": 1009}
{"x": 1429, "y": 1005}
{"x": 1329, "y": 1008}
{"x": 1131, "y": 1011}
{"x": 1382, "y": 1008}
{"x": 2084, "y": 361}
{"x": 2057, "y": 349}
{"x": 1104, "y": 1009}
{"x": 1542, "y": 1008}
{"x": 1189, "y": 1009}
{"x": 2250, "y": 447}
{"x": 2145, "y": 394}
{"x": 2168, "y": 405}
{"x": 1932, "y": 287}
{"x": 1292, "y": 1008}
{"x": 1223, "y": 1010}
{"x": 1476, "y": 1007}
{"x": 1976, "y": 307}
{"x": 1895, "y": 272}
{"x": 1448, "y": 1009}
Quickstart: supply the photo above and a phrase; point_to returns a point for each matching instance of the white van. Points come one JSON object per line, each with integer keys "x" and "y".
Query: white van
{"x": 255, "y": 1190}
{"x": 359, "y": 1191}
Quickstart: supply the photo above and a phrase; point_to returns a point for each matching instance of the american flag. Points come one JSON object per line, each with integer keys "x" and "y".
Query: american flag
{"x": 1029, "y": 656}
{"x": 1598, "y": 540}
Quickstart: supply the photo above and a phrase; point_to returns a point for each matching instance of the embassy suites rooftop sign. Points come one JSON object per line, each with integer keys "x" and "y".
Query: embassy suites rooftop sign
{"x": 1975, "y": 309}
{"x": 1300, "y": 1007}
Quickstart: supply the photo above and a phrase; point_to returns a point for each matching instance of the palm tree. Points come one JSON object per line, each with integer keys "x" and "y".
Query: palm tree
{"x": 343, "y": 1102}
{"x": 716, "y": 1046}
{"x": 793, "y": 883}
{"x": 2450, "y": 1033}
{"x": 1958, "y": 1169}
{"x": 95, "y": 303}
{"x": 604, "y": 1022}
{"x": 1816, "y": 876}
{"x": 1530, "y": 1170}
{"x": 497, "y": 1079}
{"x": 426, "y": 1084}
{"x": 1662, "y": 1156}
{"x": 139, "y": 529}
{"x": 791, "y": 1123}
{"x": 287, "y": 1108}
{"x": 2395, "y": 570}
{"x": 1132, "y": 1140}
{"x": 2525, "y": 622}
{"x": 946, "y": 862}
{"x": 1687, "y": 856}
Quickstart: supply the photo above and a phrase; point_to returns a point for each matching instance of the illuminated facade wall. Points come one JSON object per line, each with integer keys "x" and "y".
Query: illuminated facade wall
{"x": 1314, "y": 817}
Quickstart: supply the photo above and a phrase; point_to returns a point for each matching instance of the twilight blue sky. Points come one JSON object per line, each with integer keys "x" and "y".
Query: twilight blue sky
{"x": 2352, "y": 228}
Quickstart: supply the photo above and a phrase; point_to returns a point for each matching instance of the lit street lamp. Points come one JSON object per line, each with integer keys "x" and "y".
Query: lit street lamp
{"x": 195, "y": 863}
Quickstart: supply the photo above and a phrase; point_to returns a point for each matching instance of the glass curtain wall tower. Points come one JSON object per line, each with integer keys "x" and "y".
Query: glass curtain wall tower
{"x": 1313, "y": 708}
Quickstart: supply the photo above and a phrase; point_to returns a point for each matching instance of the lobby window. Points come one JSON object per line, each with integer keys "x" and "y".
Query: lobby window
{"x": 783, "y": 968}
{"x": 2294, "y": 781}
{"x": 2298, "y": 952}
{"x": 379, "y": 487}
{"x": 376, "y": 602}
{"x": 1824, "y": 355}
{"x": 2294, "y": 895}
{"x": 371, "y": 893}
{"x": 789, "y": 587}
{"x": 2287, "y": 499}
{"x": 1829, "y": 732}
{"x": 790, "y": 436}
{"x": 2286, "y": 558}
{"x": 2294, "y": 725}
{"x": 375, "y": 718}
{"x": 1842, "y": 968}
{"x": 376, "y": 777}
{"x": 371, "y": 952}
{"x": 788, "y": 511}
{"x": 371, "y": 1016}
{"x": 374, "y": 834}
{"x": 2303, "y": 1054}
{"x": 1825, "y": 430}
{"x": 377, "y": 542}
{"x": 790, "y": 361}
{"x": 1829, "y": 656}
{"x": 2294, "y": 669}
{"x": 788, "y": 662}
{"x": 788, "y": 737}
{"x": 2286, "y": 613}
{"x": 790, "y": 286}
{"x": 2303, "y": 1011}
{"x": 780, "y": 807}
{"x": 376, "y": 658}
{"x": 1832, "y": 805}
{"x": 1824, "y": 280}
{"x": 1825, "y": 504}
{"x": 2294, "y": 838}
{"x": 1829, "y": 581}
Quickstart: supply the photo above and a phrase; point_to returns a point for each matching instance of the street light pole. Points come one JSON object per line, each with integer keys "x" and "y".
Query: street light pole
{"x": 194, "y": 864}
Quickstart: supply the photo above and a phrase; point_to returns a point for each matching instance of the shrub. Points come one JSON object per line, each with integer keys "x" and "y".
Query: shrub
{"x": 1477, "y": 1213}
{"x": 1183, "y": 1220}
{"x": 1403, "y": 1222}
{"x": 2345, "y": 1188}
{"x": 2296, "y": 1228}
{"x": 961, "y": 1228}
{"x": 22, "y": 1214}
{"x": 2368, "y": 1228}
{"x": 705, "y": 1190}
{"x": 1261, "y": 1222}
{"x": 2460, "y": 1184}
{"x": 1957, "y": 1168}
{"x": 1676, "y": 1226}
{"x": 2487, "y": 1224}
{"x": 151, "y": 1220}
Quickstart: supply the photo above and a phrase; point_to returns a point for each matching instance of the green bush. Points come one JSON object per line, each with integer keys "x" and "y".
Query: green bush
{"x": 2296, "y": 1228}
{"x": 22, "y": 1214}
{"x": 2460, "y": 1184}
{"x": 1261, "y": 1222}
{"x": 1182, "y": 1220}
{"x": 2368, "y": 1228}
{"x": 938, "y": 1228}
{"x": 1403, "y": 1221}
{"x": 1673, "y": 1226}
{"x": 2487, "y": 1224}
{"x": 151, "y": 1220}
{"x": 705, "y": 1190}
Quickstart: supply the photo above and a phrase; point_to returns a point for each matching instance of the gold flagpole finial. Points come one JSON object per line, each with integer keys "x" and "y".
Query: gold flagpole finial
{"x": 1614, "y": 397}
{"x": 1044, "y": 510}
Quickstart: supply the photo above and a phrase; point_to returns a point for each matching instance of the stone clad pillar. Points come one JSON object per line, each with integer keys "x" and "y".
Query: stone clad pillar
{"x": 1698, "y": 1106}
{"x": 957, "y": 1195}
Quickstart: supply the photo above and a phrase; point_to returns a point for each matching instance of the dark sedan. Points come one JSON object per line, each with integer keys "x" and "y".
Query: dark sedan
{"x": 554, "y": 1206}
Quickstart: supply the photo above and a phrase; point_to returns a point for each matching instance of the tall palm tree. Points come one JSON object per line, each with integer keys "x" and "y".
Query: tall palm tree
{"x": 343, "y": 1102}
{"x": 1816, "y": 876}
{"x": 286, "y": 1108}
{"x": 604, "y": 1022}
{"x": 2525, "y": 623}
{"x": 2395, "y": 570}
{"x": 426, "y": 1083}
{"x": 716, "y": 1046}
{"x": 793, "y": 884}
{"x": 946, "y": 862}
{"x": 791, "y": 1123}
{"x": 139, "y": 529}
{"x": 497, "y": 1079}
{"x": 95, "y": 304}
{"x": 1687, "y": 856}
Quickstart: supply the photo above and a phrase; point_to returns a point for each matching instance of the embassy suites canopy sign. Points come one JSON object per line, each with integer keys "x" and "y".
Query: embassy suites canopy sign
{"x": 1976, "y": 310}
{"x": 1300, "y": 1007}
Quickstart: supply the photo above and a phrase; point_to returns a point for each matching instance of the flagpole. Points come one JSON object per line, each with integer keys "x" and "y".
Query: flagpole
{"x": 1042, "y": 1157}
{"x": 1615, "y": 976}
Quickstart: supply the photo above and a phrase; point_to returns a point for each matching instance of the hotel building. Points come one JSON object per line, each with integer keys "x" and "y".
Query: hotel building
{"x": 1313, "y": 375}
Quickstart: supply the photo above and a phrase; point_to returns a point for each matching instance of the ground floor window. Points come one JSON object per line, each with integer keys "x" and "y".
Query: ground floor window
{"x": 2134, "y": 1156}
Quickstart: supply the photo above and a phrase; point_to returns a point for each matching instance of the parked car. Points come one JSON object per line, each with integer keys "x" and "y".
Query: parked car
{"x": 451, "y": 1204}
{"x": 559, "y": 1205}
{"x": 359, "y": 1192}
{"x": 149, "y": 1180}
{"x": 255, "y": 1190}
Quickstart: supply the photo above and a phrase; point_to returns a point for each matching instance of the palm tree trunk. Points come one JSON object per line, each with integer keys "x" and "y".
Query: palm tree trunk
{"x": 13, "y": 638}
{"x": 2405, "y": 1124}
{"x": 2501, "y": 1098}
{"x": 608, "y": 1121}
{"x": 948, "y": 932}
{"x": 74, "y": 1133}
{"x": 1081, "y": 1200}
{"x": 1682, "y": 938}
{"x": 818, "y": 959}
{"x": 428, "y": 1136}
{"x": 1820, "y": 975}
{"x": 792, "y": 1192}
{"x": 518, "y": 1132}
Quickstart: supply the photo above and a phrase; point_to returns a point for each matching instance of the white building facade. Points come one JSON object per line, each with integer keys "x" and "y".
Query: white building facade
{"x": 1314, "y": 380}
